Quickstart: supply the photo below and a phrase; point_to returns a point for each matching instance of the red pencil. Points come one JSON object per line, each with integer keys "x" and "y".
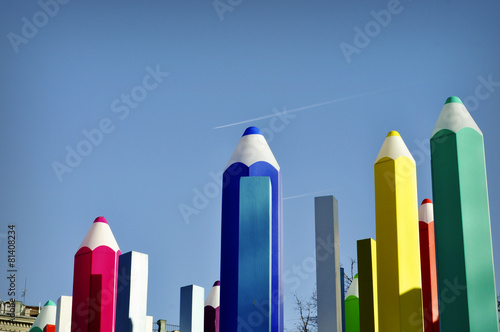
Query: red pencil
{"x": 428, "y": 266}
{"x": 49, "y": 328}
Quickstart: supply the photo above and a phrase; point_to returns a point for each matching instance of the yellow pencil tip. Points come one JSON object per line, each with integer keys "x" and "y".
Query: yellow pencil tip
{"x": 393, "y": 133}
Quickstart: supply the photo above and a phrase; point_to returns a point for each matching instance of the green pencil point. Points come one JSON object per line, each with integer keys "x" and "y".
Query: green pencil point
{"x": 453, "y": 99}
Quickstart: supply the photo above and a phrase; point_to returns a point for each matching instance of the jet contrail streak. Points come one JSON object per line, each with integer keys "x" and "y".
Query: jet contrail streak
{"x": 303, "y": 108}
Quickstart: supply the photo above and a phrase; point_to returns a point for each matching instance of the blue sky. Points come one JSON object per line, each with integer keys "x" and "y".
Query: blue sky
{"x": 157, "y": 78}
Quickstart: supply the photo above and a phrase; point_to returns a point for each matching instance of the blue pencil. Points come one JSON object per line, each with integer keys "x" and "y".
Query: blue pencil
{"x": 252, "y": 157}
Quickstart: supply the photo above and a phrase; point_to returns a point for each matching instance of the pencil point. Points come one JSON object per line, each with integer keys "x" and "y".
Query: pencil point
{"x": 99, "y": 234}
{"x": 253, "y": 148}
{"x": 353, "y": 289}
{"x": 213, "y": 298}
{"x": 453, "y": 117}
{"x": 426, "y": 211}
{"x": 49, "y": 302}
{"x": 393, "y": 133}
{"x": 252, "y": 131}
{"x": 453, "y": 99}
{"x": 393, "y": 148}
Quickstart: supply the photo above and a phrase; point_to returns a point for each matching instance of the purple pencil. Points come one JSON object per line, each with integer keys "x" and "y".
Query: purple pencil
{"x": 212, "y": 309}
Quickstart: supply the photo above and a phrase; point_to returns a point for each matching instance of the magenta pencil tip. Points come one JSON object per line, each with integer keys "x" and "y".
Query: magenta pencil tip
{"x": 100, "y": 219}
{"x": 217, "y": 283}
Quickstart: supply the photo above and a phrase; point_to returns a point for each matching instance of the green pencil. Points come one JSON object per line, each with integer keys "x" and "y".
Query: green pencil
{"x": 352, "y": 307}
{"x": 464, "y": 254}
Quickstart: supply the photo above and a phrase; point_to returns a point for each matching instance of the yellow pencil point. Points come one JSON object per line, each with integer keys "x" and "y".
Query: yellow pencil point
{"x": 393, "y": 148}
{"x": 393, "y": 133}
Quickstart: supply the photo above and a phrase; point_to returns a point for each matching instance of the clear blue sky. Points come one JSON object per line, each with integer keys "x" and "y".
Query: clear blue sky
{"x": 86, "y": 66}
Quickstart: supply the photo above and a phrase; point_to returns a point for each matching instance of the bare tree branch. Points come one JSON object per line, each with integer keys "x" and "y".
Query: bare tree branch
{"x": 307, "y": 309}
{"x": 353, "y": 261}
{"x": 307, "y": 314}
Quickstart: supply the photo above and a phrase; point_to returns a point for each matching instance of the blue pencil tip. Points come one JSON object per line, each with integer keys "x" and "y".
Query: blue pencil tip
{"x": 251, "y": 131}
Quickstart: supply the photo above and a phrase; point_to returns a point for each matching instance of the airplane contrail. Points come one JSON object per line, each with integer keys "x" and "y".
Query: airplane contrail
{"x": 303, "y": 108}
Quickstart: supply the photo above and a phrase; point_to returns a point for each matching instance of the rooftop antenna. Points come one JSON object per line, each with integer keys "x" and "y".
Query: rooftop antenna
{"x": 24, "y": 290}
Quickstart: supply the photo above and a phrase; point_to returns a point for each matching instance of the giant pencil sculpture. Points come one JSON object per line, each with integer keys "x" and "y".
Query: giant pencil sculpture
{"x": 398, "y": 261}
{"x": 328, "y": 290}
{"x": 132, "y": 296}
{"x": 368, "y": 300}
{"x": 342, "y": 296}
{"x": 95, "y": 280}
{"x": 46, "y": 317}
{"x": 252, "y": 157}
{"x": 191, "y": 313}
{"x": 428, "y": 266}
{"x": 149, "y": 323}
{"x": 212, "y": 309}
{"x": 352, "y": 307}
{"x": 63, "y": 314}
{"x": 466, "y": 278}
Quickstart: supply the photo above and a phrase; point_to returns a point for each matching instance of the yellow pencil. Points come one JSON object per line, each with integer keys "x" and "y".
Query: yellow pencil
{"x": 398, "y": 253}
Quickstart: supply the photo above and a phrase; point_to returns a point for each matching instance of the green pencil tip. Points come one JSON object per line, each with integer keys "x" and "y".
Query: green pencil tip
{"x": 49, "y": 302}
{"x": 453, "y": 99}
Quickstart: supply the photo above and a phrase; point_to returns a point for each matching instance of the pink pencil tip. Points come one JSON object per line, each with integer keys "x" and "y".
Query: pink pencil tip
{"x": 100, "y": 219}
{"x": 425, "y": 201}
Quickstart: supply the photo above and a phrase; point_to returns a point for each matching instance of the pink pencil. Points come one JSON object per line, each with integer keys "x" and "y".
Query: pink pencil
{"x": 95, "y": 280}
